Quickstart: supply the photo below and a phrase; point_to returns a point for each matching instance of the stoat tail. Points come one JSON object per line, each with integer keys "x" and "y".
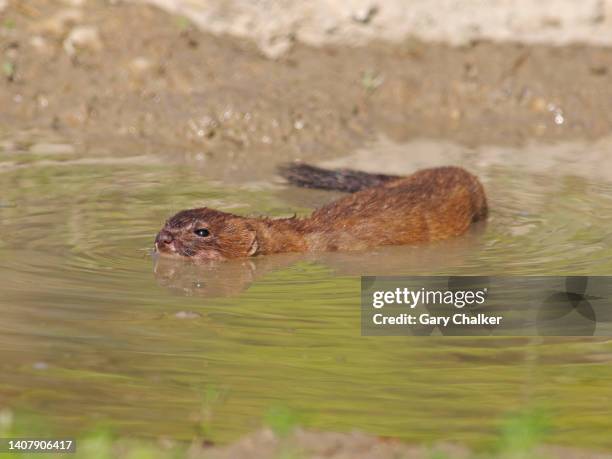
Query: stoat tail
{"x": 308, "y": 176}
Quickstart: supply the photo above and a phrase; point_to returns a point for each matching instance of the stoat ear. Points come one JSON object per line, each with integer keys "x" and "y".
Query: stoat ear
{"x": 254, "y": 243}
{"x": 254, "y": 246}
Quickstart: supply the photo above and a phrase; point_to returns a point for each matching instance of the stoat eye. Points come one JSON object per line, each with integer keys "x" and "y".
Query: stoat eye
{"x": 202, "y": 232}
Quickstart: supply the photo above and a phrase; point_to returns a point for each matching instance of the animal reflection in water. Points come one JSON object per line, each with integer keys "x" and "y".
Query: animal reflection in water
{"x": 232, "y": 277}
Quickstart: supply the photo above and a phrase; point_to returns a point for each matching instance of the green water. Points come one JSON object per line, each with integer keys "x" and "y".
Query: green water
{"x": 94, "y": 332}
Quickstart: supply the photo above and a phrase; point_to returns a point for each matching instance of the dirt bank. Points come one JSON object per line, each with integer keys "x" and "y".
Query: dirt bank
{"x": 276, "y": 24}
{"x": 306, "y": 444}
{"x": 120, "y": 77}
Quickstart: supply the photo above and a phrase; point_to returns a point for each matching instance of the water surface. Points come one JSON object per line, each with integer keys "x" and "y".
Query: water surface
{"x": 93, "y": 332}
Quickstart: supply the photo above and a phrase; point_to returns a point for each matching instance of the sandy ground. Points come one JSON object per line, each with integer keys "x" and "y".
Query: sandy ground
{"x": 124, "y": 77}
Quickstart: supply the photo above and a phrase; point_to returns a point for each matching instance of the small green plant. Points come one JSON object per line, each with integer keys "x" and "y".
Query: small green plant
{"x": 371, "y": 80}
{"x": 289, "y": 454}
{"x": 282, "y": 420}
{"x": 522, "y": 432}
{"x": 8, "y": 24}
{"x": 182, "y": 22}
{"x": 8, "y": 69}
{"x": 6, "y": 422}
{"x": 97, "y": 445}
{"x": 438, "y": 455}
{"x": 210, "y": 401}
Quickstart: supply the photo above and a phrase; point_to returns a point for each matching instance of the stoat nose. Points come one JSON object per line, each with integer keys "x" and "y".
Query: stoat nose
{"x": 164, "y": 237}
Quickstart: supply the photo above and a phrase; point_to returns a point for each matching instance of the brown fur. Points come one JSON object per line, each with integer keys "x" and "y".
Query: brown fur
{"x": 429, "y": 205}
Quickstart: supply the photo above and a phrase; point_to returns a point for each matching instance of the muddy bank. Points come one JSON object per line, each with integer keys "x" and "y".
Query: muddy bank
{"x": 121, "y": 78}
{"x": 307, "y": 444}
